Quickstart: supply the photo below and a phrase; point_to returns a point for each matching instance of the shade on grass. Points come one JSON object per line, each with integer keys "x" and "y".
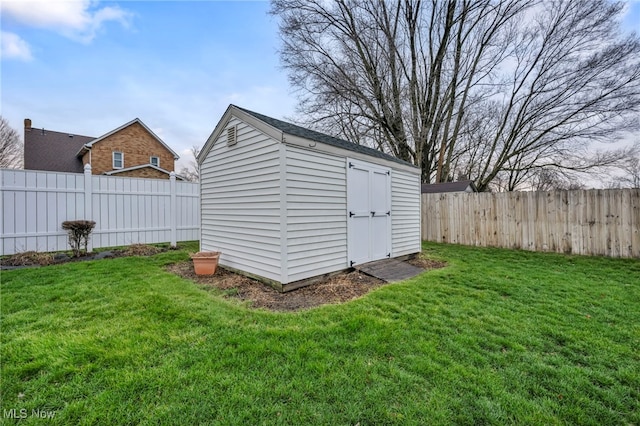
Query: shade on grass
{"x": 496, "y": 337}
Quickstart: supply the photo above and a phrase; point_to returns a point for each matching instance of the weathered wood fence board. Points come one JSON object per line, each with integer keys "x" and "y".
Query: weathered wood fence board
{"x": 593, "y": 222}
{"x": 33, "y": 205}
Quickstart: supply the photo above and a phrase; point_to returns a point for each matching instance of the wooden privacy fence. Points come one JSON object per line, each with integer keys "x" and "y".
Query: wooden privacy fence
{"x": 592, "y": 222}
{"x": 34, "y": 204}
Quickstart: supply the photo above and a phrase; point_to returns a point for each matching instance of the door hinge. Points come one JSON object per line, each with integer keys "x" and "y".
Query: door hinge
{"x": 351, "y": 214}
{"x": 389, "y": 255}
{"x": 388, "y": 173}
{"x": 351, "y": 164}
{"x": 389, "y": 213}
{"x": 352, "y": 263}
{"x": 373, "y": 214}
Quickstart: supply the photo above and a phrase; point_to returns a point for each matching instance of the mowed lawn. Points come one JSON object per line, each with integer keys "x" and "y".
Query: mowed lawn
{"x": 496, "y": 337}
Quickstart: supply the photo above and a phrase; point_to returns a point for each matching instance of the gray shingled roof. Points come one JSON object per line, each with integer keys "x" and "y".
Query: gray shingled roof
{"x": 460, "y": 186}
{"x": 302, "y": 132}
{"x": 53, "y": 151}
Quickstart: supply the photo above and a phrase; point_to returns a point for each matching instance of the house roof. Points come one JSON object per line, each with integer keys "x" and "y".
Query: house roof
{"x": 53, "y": 151}
{"x": 460, "y": 186}
{"x": 141, "y": 166}
{"x": 87, "y": 146}
{"x": 312, "y": 135}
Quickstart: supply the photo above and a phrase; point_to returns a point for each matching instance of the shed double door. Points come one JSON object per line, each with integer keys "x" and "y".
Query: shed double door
{"x": 368, "y": 212}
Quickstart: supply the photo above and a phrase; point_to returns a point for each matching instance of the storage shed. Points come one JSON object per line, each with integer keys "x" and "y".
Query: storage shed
{"x": 284, "y": 204}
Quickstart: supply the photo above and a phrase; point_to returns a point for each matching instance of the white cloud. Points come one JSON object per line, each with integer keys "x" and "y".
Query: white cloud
{"x": 13, "y": 47}
{"x": 77, "y": 19}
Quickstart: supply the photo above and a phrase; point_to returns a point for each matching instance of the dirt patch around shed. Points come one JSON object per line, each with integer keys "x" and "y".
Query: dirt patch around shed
{"x": 339, "y": 288}
{"x": 425, "y": 263}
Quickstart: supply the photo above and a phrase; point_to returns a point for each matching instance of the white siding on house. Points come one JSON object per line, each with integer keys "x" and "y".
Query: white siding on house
{"x": 316, "y": 205}
{"x": 405, "y": 217}
{"x": 240, "y": 202}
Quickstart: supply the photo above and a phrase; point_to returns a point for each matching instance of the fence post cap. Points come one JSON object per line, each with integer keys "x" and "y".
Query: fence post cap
{"x": 87, "y": 167}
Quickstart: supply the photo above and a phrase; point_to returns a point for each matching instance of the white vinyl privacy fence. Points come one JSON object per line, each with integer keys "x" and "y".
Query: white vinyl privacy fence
{"x": 33, "y": 205}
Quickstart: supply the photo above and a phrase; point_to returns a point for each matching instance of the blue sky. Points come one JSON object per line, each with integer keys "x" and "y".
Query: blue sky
{"x": 87, "y": 67}
{"x": 91, "y": 67}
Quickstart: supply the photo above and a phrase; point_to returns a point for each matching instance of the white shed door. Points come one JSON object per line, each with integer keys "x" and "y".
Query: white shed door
{"x": 369, "y": 212}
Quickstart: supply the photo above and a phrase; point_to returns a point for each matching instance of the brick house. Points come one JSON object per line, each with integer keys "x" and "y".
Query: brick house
{"x": 131, "y": 150}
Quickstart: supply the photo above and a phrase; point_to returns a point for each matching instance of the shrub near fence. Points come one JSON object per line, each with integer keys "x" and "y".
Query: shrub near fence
{"x": 33, "y": 205}
{"x": 591, "y": 222}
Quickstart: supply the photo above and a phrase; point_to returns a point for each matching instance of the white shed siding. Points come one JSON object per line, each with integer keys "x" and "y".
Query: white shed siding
{"x": 316, "y": 205}
{"x": 240, "y": 202}
{"x": 405, "y": 217}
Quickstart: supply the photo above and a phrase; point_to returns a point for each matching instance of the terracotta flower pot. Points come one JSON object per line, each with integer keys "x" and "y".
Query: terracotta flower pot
{"x": 205, "y": 262}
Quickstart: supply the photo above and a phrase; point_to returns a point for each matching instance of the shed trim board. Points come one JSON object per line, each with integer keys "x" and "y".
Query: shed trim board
{"x": 284, "y": 252}
{"x": 277, "y": 205}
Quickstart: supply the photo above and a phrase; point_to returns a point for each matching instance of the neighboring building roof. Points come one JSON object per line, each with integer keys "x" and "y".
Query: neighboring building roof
{"x": 141, "y": 166}
{"x": 460, "y": 186}
{"x": 312, "y": 135}
{"x": 88, "y": 146}
{"x": 53, "y": 151}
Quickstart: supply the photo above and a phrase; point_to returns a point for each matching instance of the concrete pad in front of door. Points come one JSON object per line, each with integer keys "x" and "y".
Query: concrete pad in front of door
{"x": 389, "y": 270}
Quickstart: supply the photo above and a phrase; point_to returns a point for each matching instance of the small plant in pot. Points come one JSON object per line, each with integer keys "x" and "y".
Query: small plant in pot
{"x": 205, "y": 262}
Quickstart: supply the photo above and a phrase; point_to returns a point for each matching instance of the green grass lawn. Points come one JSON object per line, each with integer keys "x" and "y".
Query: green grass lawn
{"x": 496, "y": 337}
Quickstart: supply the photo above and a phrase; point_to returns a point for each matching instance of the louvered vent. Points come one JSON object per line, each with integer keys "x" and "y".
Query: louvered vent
{"x": 232, "y": 137}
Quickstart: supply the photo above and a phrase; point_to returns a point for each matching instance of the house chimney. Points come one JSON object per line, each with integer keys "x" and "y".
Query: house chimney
{"x": 27, "y": 124}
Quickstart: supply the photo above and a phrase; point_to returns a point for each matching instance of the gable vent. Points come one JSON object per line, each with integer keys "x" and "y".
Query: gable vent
{"x": 232, "y": 135}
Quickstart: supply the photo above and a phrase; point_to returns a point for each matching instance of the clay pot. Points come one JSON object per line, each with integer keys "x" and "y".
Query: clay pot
{"x": 205, "y": 262}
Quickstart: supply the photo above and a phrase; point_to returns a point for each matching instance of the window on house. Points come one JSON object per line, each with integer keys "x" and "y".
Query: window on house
{"x": 118, "y": 160}
{"x": 154, "y": 161}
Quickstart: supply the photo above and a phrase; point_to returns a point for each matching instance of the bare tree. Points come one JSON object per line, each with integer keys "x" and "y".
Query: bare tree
{"x": 192, "y": 171}
{"x": 11, "y": 149}
{"x": 632, "y": 177}
{"x": 552, "y": 179}
{"x": 489, "y": 89}
{"x": 628, "y": 175}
